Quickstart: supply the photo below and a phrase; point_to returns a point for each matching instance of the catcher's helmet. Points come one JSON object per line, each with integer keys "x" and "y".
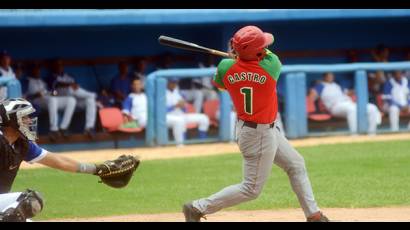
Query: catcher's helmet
{"x": 18, "y": 113}
{"x": 249, "y": 43}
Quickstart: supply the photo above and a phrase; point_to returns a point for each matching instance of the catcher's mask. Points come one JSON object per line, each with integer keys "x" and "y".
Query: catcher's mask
{"x": 18, "y": 113}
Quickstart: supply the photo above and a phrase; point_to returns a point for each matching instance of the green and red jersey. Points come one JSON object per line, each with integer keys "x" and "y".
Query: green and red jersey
{"x": 252, "y": 86}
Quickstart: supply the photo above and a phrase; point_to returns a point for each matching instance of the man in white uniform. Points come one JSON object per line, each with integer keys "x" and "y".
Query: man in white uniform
{"x": 65, "y": 85}
{"x": 396, "y": 93}
{"x": 176, "y": 111}
{"x": 40, "y": 97}
{"x": 341, "y": 105}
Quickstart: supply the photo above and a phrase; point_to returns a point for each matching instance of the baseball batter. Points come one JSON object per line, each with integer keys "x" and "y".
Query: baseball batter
{"x": 251, "y": 80}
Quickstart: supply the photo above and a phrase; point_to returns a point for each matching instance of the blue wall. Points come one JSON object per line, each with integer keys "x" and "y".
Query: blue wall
{"x": 141, "y": 40}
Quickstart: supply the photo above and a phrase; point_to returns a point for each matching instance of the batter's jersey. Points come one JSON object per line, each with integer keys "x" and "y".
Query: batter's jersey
{"x": 252, "y": 86}
{"x": 11, "y": 157}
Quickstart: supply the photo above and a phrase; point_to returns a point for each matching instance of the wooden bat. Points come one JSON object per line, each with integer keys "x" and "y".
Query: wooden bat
{"x": 180, "y": 44}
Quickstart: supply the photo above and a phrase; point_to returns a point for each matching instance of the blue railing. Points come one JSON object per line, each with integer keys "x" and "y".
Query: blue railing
{"x": 295, "y": 94}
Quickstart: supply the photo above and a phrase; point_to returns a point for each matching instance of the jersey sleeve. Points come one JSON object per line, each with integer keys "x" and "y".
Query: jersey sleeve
{"x": 221, "y": 70}
{"x": 35, "y": 153}
{"x": 271, "y": 64}
{"x": 127, "y": 105}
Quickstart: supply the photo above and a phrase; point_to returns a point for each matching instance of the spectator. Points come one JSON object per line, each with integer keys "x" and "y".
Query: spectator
{"x": 41, "y": 98}
{"x": 62, "y": 84}
{"x": 378, "y": 78}
{"x": 176, "y": 108}
{"x": 139, "y": 70}
{"x": 396, "y": 92}
{"x": 135, "y": 106}
{"x": 5, "y": 71}
{"x": 341, "y": 105}
{"x": 120, "y": 84}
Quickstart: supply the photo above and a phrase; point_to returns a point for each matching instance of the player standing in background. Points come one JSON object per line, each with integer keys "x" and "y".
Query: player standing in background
{"x": 251, "y": 82}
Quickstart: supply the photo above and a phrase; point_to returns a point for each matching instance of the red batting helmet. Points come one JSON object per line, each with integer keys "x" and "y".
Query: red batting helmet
{"x": 250, "y": 41}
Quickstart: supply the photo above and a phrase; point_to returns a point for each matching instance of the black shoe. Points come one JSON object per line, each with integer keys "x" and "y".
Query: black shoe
{"x": 54, "y": 136}
{"x": 65, "y": 133}
{"x": 191, "y": 214}
{"x": 318, "y": 217}
{"x": 90, "y": 133}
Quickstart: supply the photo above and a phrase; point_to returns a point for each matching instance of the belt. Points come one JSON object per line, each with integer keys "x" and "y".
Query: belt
{"x": 254, "y": 125}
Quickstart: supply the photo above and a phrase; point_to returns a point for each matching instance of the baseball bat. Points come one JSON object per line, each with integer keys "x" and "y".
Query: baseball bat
{"x": 180, "y": 44}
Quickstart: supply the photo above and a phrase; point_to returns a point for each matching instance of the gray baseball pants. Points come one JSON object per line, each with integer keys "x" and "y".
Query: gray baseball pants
{"x": 260, "y": 147}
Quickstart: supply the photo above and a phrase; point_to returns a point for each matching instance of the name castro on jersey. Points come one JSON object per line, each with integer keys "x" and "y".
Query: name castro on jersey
{"x": 246, "y": 76}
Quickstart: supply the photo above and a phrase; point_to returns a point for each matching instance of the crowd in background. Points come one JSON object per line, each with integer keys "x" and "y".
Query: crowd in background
{"x": 389, "y": 93}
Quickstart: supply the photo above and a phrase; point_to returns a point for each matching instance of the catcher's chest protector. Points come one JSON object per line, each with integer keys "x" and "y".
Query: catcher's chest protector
{"x": 10, "y": 160}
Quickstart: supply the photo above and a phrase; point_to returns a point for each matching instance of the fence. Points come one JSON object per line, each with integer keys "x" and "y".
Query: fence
{"x": 295, "y": 93}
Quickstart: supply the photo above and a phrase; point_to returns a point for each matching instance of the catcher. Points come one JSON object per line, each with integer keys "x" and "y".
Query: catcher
{"x": 17, "y": 144}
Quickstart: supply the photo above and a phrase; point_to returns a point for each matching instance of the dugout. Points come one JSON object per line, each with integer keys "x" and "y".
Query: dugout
{"x": 92, "y": 42}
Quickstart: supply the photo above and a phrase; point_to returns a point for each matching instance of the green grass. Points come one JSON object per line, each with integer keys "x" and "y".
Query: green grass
{"x": 343, "y": 175}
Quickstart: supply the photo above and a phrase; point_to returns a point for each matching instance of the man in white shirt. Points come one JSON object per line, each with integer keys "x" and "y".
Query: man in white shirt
{"x": 40, "y": 97}
{"x": 396, "y": 93}
{"x": 341, "y": 105}
{"x": 135, "y": 106}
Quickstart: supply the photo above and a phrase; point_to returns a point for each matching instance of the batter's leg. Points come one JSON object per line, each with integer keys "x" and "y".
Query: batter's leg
{"x": 258, "y": 147}
{"x": 294, "y": 165}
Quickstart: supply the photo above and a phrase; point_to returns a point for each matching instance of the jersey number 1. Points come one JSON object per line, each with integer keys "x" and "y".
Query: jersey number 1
{"x": 247, "y": 93}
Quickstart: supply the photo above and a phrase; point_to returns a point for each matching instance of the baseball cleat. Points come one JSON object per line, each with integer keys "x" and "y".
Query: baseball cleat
{"x": 191, "y": 214}
{"x": 317, "y": 217}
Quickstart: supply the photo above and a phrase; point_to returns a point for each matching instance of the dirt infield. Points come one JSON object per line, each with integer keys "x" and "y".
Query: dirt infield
{"x": 209, "y": 149}
{"x": 284, "y": 215}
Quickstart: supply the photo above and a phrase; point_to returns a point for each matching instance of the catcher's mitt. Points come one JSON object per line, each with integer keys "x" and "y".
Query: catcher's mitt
{"x": 117, "y": 173}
